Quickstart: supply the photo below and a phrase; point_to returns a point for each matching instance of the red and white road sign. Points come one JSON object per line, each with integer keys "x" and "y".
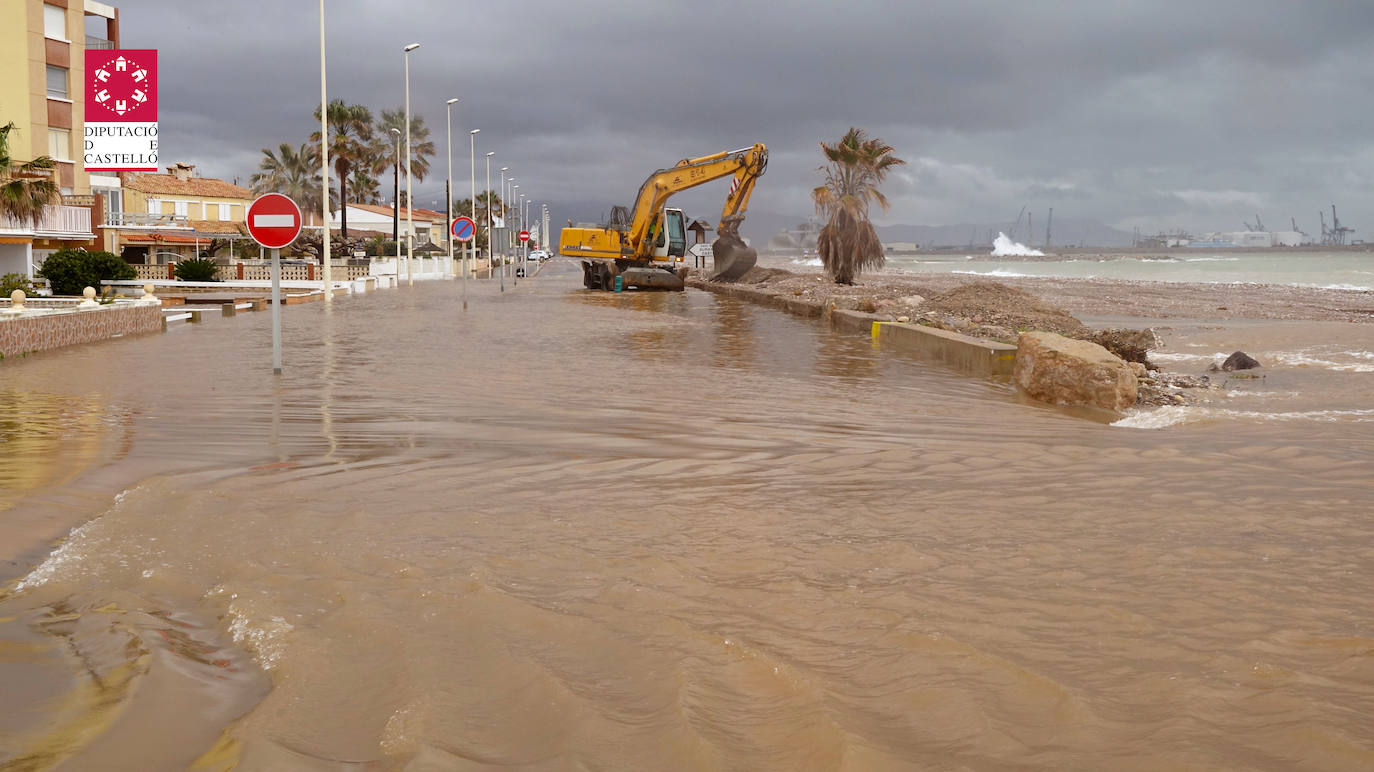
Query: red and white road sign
{"x": 274, "y": 220}
{"x": 524, "y": 235}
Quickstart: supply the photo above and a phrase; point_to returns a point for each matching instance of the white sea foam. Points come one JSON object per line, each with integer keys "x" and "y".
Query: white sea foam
{"x": 1172, "y": 356}
{"x": 265, "y": 638}
{"x": 814, "y": 261}
{"x": 1303, "y": 359}
{"x": 1350, "y": 287}
{"x": 995, "y": 272}
{"x": 1172, "y": 415}
{"x": 1005, "y": 247}
{"x": 1210, "y": 259}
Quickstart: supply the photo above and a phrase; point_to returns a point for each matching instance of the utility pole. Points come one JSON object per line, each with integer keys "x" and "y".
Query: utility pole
{"x": 1048, "y": 225}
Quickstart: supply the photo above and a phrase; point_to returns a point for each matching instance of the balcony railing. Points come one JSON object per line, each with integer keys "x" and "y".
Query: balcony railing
{"x": 93, "y": 42}
{"x": 145, "y": 220}
{"x": 57, "y": 221}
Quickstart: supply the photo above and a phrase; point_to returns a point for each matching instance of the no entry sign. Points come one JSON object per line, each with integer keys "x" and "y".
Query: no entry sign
{"x": 524, "y": 235}
{"x": 274, "y": 220}
{"x": 463, "y": 228}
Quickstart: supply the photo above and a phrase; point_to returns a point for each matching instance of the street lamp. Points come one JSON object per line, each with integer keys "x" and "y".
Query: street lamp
{"x": 410, "y": 202}
{"x": 504, "y": 225}
{"x": 511, "y": 230}
{"x": 472, "y": 180}
{"x": 490, "y": 260}
{"x": 396, "y": 194}
{"x": 448, "y": 186}
{"x": 327, "y": 254}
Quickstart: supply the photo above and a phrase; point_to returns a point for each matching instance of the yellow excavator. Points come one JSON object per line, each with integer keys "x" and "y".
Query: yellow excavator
{"x": 646, "y": 246}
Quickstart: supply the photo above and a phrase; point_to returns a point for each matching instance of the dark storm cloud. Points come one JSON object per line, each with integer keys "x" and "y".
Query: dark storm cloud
{"x": 1150, "y": 114}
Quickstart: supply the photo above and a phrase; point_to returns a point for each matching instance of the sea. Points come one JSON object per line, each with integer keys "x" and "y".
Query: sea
{"x": 1326, "y": 270}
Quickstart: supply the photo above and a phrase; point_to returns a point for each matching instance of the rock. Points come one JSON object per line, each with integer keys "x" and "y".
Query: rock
{"x": 1240, "y": 361}
{"x": 911, "y": 301}
{"x": 844, "y": 303}
{"x": 996, "y": 332}
{"x": 903, "y": 319}
{"x": 1130, "y": 345}
{"x": 1065, "y": 371}
{"x": 1137, "y": 368}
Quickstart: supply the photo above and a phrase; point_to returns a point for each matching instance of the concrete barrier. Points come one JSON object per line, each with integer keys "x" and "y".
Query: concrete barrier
{"x": 962, "y": 352}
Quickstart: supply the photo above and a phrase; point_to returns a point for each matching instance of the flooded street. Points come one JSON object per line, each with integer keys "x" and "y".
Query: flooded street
{"x": 572, "y": 530}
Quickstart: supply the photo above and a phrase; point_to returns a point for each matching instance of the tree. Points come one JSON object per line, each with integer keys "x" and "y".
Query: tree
{"x": 855, "y": 166}
{"x": 71, "y": 271}
{"x": 366, "y": 189}
{"x": 25, "y": 188}
{"x": 350, "y": 145}
{"x": 463, "y": 206}
{"x": 421, "y": 147}
{"x": 292, "y": 172}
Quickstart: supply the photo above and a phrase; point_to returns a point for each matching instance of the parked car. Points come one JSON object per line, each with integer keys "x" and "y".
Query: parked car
{"x": 540, "y": 255}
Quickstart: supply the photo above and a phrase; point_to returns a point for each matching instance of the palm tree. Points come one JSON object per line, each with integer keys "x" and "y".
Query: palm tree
{"x": 350, "y": 145}
{"x": 25, "y": 188}
{"x": 855, "y": 166}
{"x": 366, "y": 189}
{"x": 421, "y": 147}
{"x": 294, "y": 173}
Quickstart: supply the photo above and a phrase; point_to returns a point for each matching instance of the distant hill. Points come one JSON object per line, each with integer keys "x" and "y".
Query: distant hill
{"x": 760, "y": 226}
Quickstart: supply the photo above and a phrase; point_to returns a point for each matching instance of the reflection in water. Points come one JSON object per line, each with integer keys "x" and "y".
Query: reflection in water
{"x": 455, "y": 540}
{"x": 49, "y": 439}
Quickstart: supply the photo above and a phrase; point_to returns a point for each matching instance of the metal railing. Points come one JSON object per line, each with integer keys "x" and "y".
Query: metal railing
{"x": 145, "y": 220}
{"x": 93, "y": 42}
{"x": 57, "y": 220}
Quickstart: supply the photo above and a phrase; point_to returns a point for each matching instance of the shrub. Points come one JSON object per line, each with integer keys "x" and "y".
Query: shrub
{"x": 69, "y": 271}
{"x": 15, "y": 281}
{"x": 197, "y": 269}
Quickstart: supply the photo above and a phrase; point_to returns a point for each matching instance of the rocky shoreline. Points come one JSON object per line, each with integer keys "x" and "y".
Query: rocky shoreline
{"x": 1002, "y": 310}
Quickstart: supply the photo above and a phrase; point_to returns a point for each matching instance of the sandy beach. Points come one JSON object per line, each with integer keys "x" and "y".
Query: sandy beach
{"x": 1097, "y": 297}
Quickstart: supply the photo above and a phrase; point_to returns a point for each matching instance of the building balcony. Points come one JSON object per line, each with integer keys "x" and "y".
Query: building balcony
{"x": 58, "y": 222}
{"x": 145, "y": 220}
{"x": 93, "y": 43}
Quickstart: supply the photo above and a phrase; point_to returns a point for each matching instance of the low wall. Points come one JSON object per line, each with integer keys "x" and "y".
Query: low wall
{"x": 49, "y": 331}
{"x": 962, "y": 352}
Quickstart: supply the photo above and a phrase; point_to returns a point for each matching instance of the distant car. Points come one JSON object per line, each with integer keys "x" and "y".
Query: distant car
{"x": 540, "y": 255}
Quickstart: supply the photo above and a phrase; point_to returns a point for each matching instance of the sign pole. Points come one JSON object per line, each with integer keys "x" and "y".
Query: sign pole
{"x": 276, "y": 311}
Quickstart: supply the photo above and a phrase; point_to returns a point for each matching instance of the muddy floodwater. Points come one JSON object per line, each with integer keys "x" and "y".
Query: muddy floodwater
{"x": 573, "y": 530}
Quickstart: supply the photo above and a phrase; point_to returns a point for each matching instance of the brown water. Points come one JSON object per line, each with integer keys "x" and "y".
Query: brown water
{"x": 572, "y": 530}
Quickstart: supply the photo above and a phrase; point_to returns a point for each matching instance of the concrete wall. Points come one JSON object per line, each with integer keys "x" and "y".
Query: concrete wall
{"x": 40, "y": 333}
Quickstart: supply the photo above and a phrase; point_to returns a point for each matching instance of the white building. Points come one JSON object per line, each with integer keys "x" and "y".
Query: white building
{"x": 429, "y": 224}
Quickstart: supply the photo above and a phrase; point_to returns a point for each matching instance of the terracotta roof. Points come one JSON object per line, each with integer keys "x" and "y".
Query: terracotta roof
{"x": 417, "y": 213}
{"x": 157, "y": 238}
{"x": 216, "y": 226}
{"x": 207, "y": 187}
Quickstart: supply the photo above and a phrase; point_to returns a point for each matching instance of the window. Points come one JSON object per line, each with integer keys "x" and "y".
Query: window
{"x": 181, "y": 208}
{"x": 60, "y": 144}
{"x": 57, "y": 82}
{"x": 54, "y": 22}
{"x": 224, "y": 215}
{"x": 114, "y": 202}
{"x": 154, "y": 206}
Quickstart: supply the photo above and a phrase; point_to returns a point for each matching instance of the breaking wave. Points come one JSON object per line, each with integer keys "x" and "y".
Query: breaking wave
{"x": 1005, "y": 247}
{"x": 1172, "y": 415}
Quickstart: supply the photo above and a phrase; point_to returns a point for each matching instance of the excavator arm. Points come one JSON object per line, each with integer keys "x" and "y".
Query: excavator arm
{"x": 732, "y": 256}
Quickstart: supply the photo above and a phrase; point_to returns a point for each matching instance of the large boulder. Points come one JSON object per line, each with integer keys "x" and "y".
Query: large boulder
{"x": 1065, "y": 371}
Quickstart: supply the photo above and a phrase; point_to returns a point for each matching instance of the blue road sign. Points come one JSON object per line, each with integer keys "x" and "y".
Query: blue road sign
{"x": 463, "y": 228}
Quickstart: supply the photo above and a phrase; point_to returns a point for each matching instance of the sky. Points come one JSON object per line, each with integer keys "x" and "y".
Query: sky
{"x": 1150, "y": 114}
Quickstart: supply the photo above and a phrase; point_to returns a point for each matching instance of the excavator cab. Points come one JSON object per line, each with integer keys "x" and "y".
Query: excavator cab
{"x": 671, "y": 244}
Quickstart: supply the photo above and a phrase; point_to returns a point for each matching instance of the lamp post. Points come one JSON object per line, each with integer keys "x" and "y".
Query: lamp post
{"x": 410, "y": 201}
{"x": 324, "y": 169}
{"x": 504, "y": 226}
{"x": 396, "y": 194}
{"x": 472, "y": 180}
{"x": 448, "y": 187}
{"x": 515, "y": 244}
{"x": 524, "y": 245}
{"x": 490, "y": 260}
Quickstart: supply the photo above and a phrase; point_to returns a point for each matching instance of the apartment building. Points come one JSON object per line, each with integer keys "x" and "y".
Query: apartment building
{"x": 42, "y": 51}
{"x": 165, "y": 217}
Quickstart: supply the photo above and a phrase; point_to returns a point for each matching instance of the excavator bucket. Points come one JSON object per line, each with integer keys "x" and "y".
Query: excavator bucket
{"x": 733, "y": 258}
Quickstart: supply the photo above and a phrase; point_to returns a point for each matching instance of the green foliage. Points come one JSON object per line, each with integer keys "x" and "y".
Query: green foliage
{"x": 855, "y": 166}
{"x": 25, "y": 188}
{"x": 15, "y": 281}
{"x": 70, "y": 271}
{"x": 197, "y": 269}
